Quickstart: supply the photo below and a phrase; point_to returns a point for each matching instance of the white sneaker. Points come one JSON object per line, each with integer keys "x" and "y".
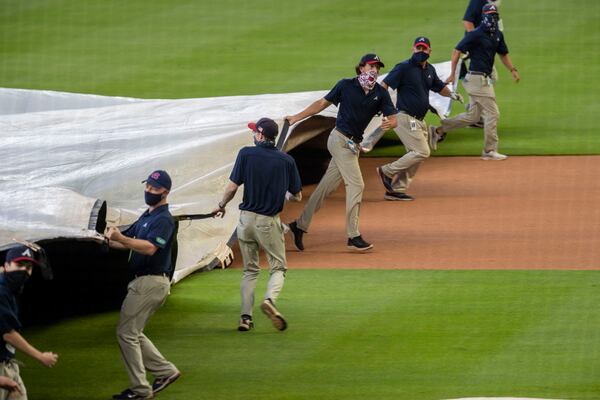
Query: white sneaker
{"x": 493, "y": 155}
{"x": 433, "y": 137}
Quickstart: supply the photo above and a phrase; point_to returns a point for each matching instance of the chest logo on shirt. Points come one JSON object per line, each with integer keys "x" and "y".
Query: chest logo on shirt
{"x": 429, "y": 76}
{"x": 375, "y": 98}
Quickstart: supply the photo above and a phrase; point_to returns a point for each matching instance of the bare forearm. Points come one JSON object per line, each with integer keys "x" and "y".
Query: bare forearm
{"x": 116, "y": 245}
{"x": 469, "y": 26}
{"x": 446, "y": 92}
{"x": 230, "y": 191}
{"x": 16, "y": 340}
{"x": 138, "y": 245}
{"x": 454, "y": 61}
{"x": 507, "y": 62}
{"x": 312, "y": 109}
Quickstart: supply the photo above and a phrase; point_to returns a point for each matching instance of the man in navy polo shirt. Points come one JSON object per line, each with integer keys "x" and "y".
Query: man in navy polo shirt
{"x": 413, "y": 79}
{"x": 482, "y": 44}
{"x": 149, "y": 239}
{"x": 359, "y": 99}
{"x": 269, "y": 177}
{"x": 17, "y": 269}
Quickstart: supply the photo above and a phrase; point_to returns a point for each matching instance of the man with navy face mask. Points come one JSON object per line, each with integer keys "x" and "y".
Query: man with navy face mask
{"x": 149, "y": 239}
{"x": 413, "y": 79}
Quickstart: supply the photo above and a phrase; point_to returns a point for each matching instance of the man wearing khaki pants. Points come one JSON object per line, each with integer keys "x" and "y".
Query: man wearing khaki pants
{"x": 269, "y": 177}
{"x": 149, "y": 239}
{"x": 359, "y": 99}
{"x": 483, "y": 44}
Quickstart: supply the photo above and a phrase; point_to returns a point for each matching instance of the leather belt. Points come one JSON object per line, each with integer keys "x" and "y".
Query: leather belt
{"x": 152, "y": 274}
{"x": 478, "y": 73}
{"x": 410, "y": 115}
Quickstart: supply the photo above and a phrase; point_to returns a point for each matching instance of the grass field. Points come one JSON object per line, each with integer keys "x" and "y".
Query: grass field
{"x": 191, "y": 48}
{"x": 354, "y": 335}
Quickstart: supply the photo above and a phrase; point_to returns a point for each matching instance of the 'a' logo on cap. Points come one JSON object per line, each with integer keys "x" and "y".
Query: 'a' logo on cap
{"x": 27, "y": 253}
{"x": 376, "y": 57}
{"x": 422, "y": 39}
{"x": 155, "y": 175}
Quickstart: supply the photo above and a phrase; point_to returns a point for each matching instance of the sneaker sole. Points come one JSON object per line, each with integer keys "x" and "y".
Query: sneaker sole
{"x": 393, "y": 198}
{"x": 301, "y": 247}
{"x": 493, "y": 159}
{"x": 432, "y": 142}
{"x": 360, "y": 248}
{"x": 276, "y": 318}
{"x": 170, "y": 380}
{"x": 245, "y": 329}
{"x": 382, "y": 179}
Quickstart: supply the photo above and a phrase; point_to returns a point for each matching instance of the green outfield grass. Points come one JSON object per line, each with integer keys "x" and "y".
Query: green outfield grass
{"x": 201, "y": 48}
{"x": 353, "y": 335}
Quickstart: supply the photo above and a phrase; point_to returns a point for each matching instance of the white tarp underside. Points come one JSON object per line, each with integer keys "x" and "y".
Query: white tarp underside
{"x": 60, "y": 152}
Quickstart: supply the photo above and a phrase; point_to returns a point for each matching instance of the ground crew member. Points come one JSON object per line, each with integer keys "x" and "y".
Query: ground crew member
{"x": 149, "y": 239}
{"x": 482, "y": 44}
{"x": 269, "y": 177}
{"x": 413, "y": 79}
{"x": 359, "y": 99}
{"x": 16, "y": 271}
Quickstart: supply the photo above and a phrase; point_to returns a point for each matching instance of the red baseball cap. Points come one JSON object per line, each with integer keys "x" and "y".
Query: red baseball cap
{"x": 422, "y": 41}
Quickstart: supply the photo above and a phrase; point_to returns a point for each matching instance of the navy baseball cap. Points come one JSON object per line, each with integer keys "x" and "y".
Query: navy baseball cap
{"x": 266, "y": 126}
{"x": 490, "y": 9}
{"x": 21, "y": 253}
{"x": 422, "y": 41}
{"x": 159, "y": 179}
{"x": 371, "y": 59}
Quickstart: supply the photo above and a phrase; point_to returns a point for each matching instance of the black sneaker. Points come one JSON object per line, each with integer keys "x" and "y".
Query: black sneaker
{"x": 246, "y": 323}
{"x": 297, "y": 232}
{"x": 269, "y": 309}
{"x": 129, "y": 394}
{"x": 397, "y": 196}
{"x": 357, "y": 243}
{"x": 387, "y": 182}
{"x": 161, "y": 383}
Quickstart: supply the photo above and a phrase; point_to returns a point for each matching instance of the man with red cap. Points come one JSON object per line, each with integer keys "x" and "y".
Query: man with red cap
{"x": 149, "y": 240}
{"x": 17, "y": 269}
{"x": 358, "y": 99}
{"x": 269, "y": 177}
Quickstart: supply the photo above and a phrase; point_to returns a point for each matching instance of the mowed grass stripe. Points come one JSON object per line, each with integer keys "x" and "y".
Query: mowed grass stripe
{"x": 354, "y": 334}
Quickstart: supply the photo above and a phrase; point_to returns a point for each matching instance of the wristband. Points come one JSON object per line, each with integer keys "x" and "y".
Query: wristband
{"x": 514, "y": 69}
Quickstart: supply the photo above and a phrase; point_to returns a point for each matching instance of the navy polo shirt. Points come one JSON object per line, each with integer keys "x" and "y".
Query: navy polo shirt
{"x": 482, "y": 47}
{"x": 266, "y": 174}
{"x": 474, "y": 12}
{"x": 157, "y": 227}
{"x": 413, "y": 83}
{"x": 356, "y": 109}
{"x": 9, "y": 319}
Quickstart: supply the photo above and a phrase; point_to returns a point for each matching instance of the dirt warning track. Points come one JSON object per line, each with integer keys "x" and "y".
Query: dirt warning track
{"x": 521, "y": 213}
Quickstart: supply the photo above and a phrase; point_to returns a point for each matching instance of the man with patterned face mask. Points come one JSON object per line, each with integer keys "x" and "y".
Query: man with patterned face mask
{"x": 359, "y": 99}
{"x": 413, "y": 79}
{"x": 13, "y": 275}
{"x": 149, "y": 240}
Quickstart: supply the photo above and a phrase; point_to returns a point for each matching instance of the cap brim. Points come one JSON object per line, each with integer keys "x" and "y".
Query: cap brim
{"x": 422, "y": 44}
{"x": 25, "y": 259}
{"x": 376, "y": 62}
{"x": 252, "y": 125}
{"x": 153, "y": 183}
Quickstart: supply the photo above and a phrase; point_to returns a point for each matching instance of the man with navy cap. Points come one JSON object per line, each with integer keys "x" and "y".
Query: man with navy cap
{"x": 483, "y": 44}
{"x": 149, "y": 240}
{"x": 413, "y": 79}
{"x": 13, "y": 275}
{"x": 358, "y": 99}
{"x": 269, "y": 177}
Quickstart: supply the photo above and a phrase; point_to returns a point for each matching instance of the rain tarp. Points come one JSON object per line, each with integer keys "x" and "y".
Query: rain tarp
{"x": 64, "y": 155}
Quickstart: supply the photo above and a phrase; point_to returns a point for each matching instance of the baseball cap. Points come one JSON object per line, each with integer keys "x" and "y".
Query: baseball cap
{"x": 159, "y": 179}
{"x": 422, "y": 41}
{"x": 21, "y": 253}
{"x": 490, "y": 9}
{"x": 371, "y": 59}
{"x": 266, "y": 126}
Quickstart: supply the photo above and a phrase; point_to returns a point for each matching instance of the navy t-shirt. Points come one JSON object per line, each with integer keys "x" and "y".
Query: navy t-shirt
{"x": 413, "y": 83}
{"x": 9, "y": 319}
{"x": 474, "y": 12}
{"x": 157, "y": 227}
{"x": 356, "y": 109}
{"x": 482, "y": 47}
{"x": 266, "y": 174}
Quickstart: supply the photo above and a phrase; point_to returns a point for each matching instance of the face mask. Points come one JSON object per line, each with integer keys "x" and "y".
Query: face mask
{"x": 490, "y": 23}
{"x": 368, "y": 79}
{"x": 152, "y": 199}
{"x": 15, "y": 280}
{"x": 420, "y": 57}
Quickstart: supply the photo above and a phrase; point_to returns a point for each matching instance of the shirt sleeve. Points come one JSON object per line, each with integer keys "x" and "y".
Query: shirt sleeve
{"x": 335, "y": 95}
{"x": 393, "y": 78}
{"x": 387, "y": 107}
{"x": 437, "y": 85}
{"x": 237, "y": 174}
{"x": 502, "y": 48}
{"x": 160, "y": 232}
{"x": 472, "y": 12}
{"x": 467, "y": 42}
{"x": 295, "y": 183}
{"x": 8, "y": 316}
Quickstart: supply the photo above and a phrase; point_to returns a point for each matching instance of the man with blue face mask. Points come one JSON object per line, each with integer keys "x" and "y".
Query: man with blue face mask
{"x": 413, "y": 79}
{"x": 149, "y": 240}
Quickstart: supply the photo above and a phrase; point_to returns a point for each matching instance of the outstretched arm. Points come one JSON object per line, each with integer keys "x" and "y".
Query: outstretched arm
{"x": 312, "y": 109}
{"x": 15, "y": 339}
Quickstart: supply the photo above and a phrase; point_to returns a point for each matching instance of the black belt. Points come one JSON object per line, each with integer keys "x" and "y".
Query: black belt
{"x": 410, "y": 115}
{"x": 478, "y": 73}
{"x": 355, "y": 140}
{"x": 152, "y": 274}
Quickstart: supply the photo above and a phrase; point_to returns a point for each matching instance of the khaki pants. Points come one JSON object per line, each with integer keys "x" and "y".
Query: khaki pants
{"x": 145, "y": 295}
{"x": 482, "y": 104}
{"x": 256, "y": 231}
{"x": 10, "y": 369}
{"x": 343, "y": 166}
{"x": 414, "y": 139}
